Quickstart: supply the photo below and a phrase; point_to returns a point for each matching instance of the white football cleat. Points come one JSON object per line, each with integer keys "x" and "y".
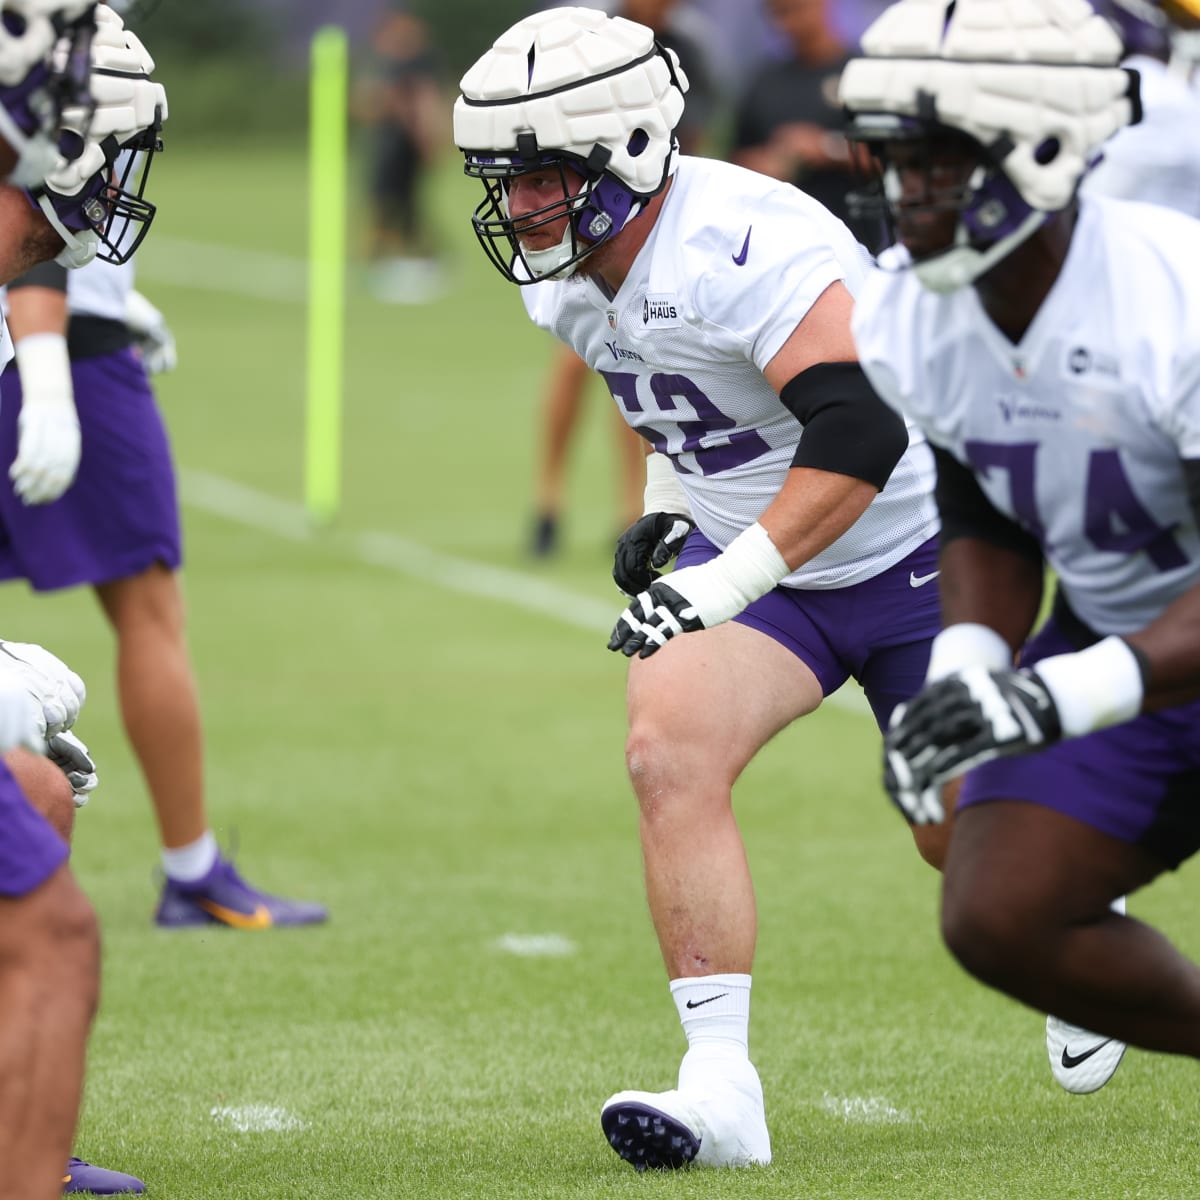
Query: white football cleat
{"x": 1082, "y": 1061}
{"x": 719, "y": 1124}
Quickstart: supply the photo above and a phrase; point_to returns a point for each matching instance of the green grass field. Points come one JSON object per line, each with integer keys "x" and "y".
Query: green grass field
{"x": 445, "y": 771}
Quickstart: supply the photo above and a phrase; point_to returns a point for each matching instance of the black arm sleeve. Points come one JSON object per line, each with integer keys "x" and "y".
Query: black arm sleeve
{"x": 848, "y": 429}
{"x": 1191, "y": 473}
{"x": 44, "y": 275}
{"x": 966, "y": 512}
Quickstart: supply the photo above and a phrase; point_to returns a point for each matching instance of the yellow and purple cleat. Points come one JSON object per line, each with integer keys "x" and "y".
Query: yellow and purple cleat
{"x": 223, "y": 897}
{"x": 82, "y": 1177}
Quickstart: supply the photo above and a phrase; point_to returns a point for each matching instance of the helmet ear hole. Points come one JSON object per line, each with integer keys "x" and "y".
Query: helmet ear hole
{"x": 639, "y": 139}
{"x": 1047, "y": 151}
{"x": 14, "y": 23}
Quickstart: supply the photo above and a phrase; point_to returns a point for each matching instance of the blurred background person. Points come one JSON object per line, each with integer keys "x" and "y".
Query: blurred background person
{"x": 78, "y": 382}
{"x": 685, "y": 29}
{"x": 399, "y": 101}
{"x": 789, "y": 124}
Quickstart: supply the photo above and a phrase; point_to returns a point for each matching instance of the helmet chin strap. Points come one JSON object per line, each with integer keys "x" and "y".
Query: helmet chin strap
{"x": 553, "y": 262}
{"x": 961, "y": 264}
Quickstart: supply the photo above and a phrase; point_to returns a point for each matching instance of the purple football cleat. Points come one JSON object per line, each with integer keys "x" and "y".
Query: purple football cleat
{"x": 96, "y": 1181}
{"x": 223, "y": 897}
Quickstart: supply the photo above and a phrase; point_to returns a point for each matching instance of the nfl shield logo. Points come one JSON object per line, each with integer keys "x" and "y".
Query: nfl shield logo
{"x": 612, "y": 318}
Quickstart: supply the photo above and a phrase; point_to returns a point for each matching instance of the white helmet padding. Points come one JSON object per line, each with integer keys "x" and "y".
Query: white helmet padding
{"x": 576, "y": 86}
{"x": 1014, "y": 75}
{"x": 576, "y": 79}
{"x": 1036, "y": 85}
{"x": 30, "y": 30}
{"x": 43, "y": 69}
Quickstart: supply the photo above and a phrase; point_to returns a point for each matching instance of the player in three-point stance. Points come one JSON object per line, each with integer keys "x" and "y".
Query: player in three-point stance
{"x": 1049, "y": 348}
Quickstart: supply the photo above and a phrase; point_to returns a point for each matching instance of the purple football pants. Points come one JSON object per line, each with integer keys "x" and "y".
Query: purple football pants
{"x": 877, "y": 631}
{"x": 121, "y": 515}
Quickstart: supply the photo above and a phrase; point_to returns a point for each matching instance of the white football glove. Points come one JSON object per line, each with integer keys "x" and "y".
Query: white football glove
{"x": 72, "y": 757}
{"x": 48, "y": 441}
{"x": 58, "y": 693}
{"x": 153, "y": 336}
{"x": 21, "y": 720}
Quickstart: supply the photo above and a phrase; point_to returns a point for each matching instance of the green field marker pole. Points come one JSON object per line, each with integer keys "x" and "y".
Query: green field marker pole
{"x": 326, "y": 273}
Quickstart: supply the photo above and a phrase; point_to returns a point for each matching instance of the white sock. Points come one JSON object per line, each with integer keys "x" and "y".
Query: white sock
{"x": 188, "y": 863}
{"x": 714, "y": 1011}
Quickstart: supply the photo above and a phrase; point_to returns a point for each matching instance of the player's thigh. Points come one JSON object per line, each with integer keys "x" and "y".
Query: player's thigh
{"x": 721, "y": 693}
{"x": 1028, "y": 864}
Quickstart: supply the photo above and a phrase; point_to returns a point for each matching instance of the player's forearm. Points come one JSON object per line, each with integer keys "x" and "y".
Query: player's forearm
{"x": 30, "y": 239}
{"x": 812, "y": 510}
{"x": 984, "y": 584}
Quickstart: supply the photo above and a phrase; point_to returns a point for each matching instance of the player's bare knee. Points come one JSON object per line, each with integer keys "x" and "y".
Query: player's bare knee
{"x": 981, "y": 934}
{"x": 662, "y": 767}
{"x": 46, "y": 788}
{"x": 74, "y": 932}
{"x": 645, "y": 762}
{"x": 53, "y": 940}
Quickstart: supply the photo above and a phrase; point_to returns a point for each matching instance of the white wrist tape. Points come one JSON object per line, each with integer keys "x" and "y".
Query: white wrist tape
{"x": 749, "y": 567}
{"x": 664, "y": 493}
{"x": 967, "y": 645}
{"x": 1093, "y": 688}
{"x": 45, "y": 369}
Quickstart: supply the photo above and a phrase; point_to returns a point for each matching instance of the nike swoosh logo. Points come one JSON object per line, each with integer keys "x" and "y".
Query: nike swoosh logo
{"x": 915, "y": 580}
{"x": 260, "y": 918}
{"x": 740, "y": 257}
{"x": 1073, "y": 1060}
{"x": 697, "y": 1003}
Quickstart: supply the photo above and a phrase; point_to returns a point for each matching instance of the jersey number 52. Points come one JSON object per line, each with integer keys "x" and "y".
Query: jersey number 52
{"x": 712, "y": 442}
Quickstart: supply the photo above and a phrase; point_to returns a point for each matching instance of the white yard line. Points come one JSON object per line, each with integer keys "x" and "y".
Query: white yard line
{"x": 536, "y": 945}
{"x": 257, "y": 1118}
{"x": 281, "y": 518}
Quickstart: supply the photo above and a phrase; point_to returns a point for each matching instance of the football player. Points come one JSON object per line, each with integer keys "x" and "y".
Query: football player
{"x": 715, "y": 302}
{"x": 1047, "y": 345}
{"x": 63, "y": 117}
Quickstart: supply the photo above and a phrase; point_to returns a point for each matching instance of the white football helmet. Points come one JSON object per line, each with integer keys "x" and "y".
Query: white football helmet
{"x": 94, "y": 195}
{"x": 569, "y": 88}
{"x": 43, "y": 70}
{"x": 1035, "y": 87}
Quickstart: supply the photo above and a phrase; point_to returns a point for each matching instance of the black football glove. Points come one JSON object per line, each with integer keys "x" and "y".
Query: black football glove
{"x": 652, "y": 619}
{"x": 649, "y": 543}
{"x": 967, "y": 718}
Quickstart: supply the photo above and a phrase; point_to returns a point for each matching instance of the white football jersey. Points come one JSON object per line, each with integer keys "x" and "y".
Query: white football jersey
{"x": 1078, "y": 432}
{"x": 732, "y": 265}
{"x": 1157, "y": 160}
